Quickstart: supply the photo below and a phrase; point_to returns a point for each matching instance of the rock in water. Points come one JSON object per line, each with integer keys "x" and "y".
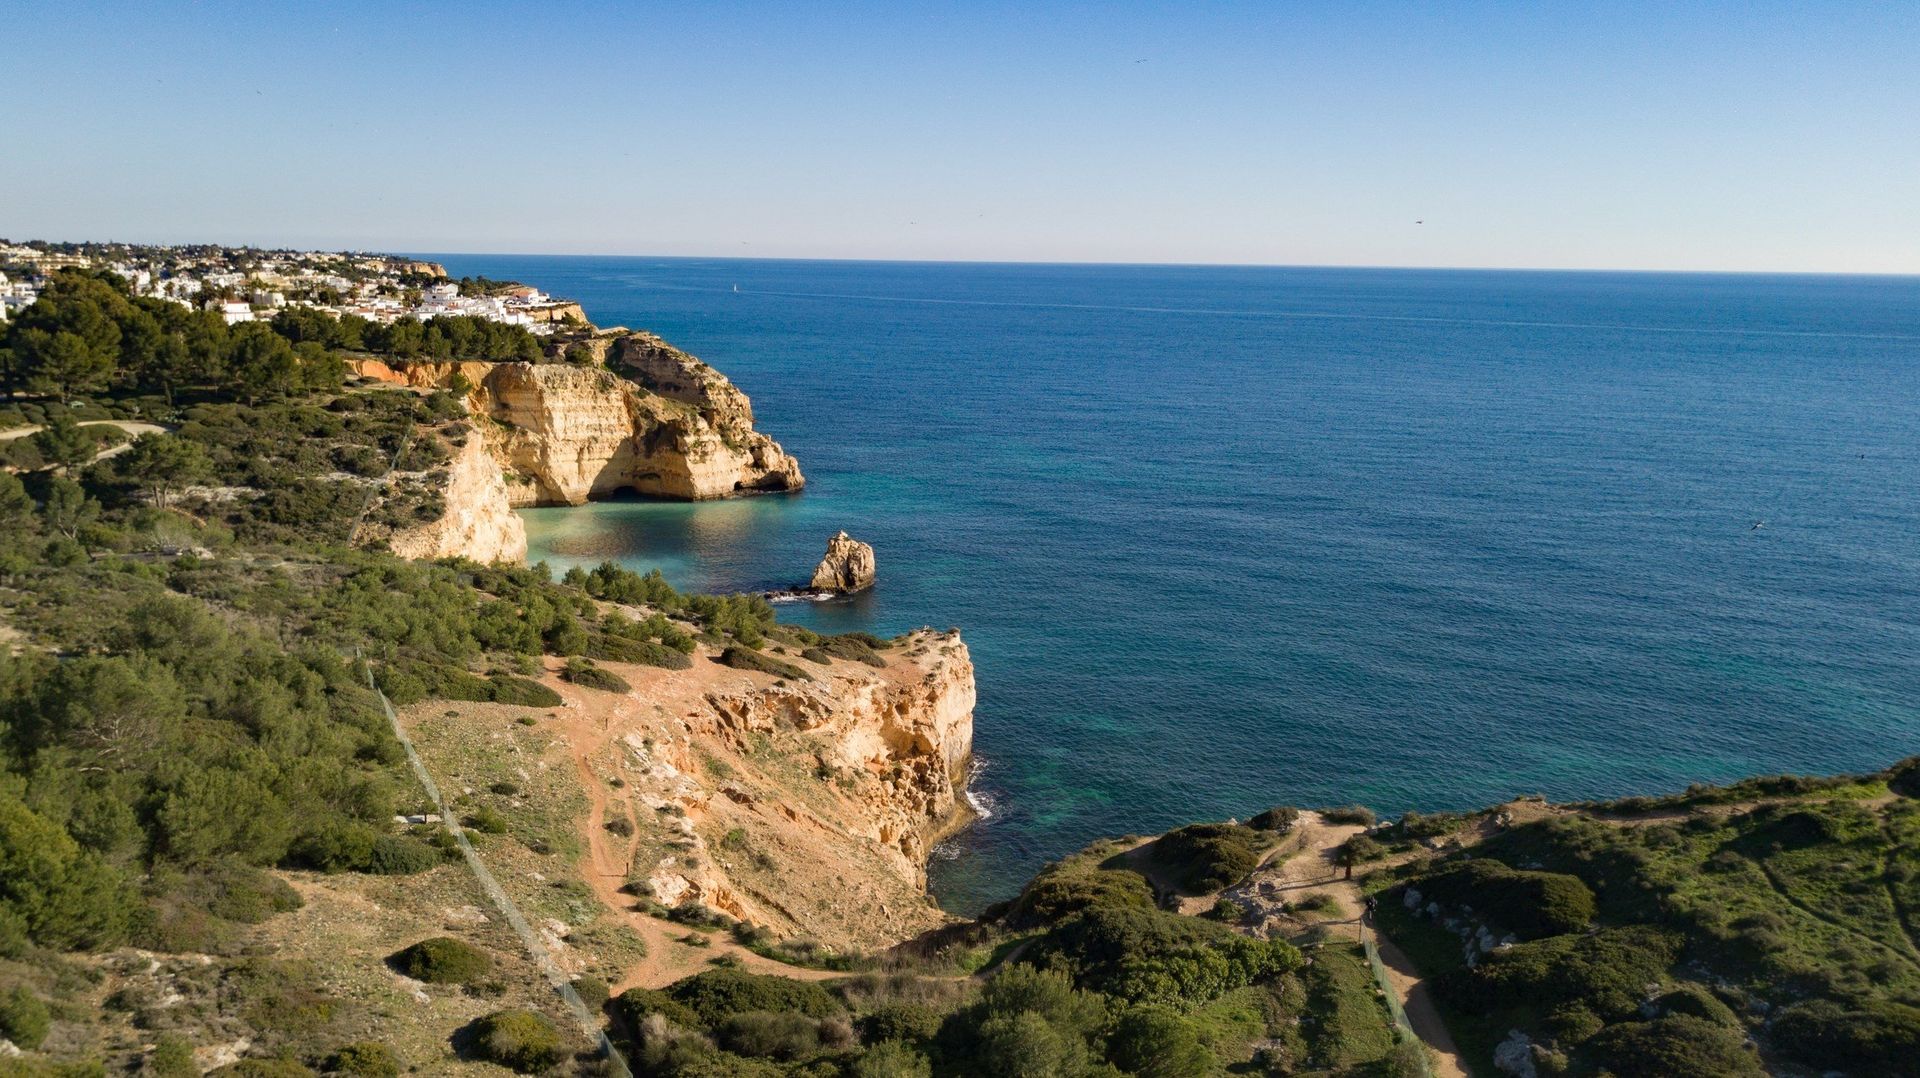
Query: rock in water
{"x": 848, "y": 565}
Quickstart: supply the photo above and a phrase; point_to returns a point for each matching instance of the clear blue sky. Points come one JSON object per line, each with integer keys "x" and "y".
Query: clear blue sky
{"x": 1750, "y": 136}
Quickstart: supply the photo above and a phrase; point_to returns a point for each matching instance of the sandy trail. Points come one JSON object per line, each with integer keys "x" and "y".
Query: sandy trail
{"x": 1306, "y": 866}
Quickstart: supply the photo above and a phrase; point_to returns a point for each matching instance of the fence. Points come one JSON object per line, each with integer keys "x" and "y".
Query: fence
{"x": 589, "y": 1023}
{"x": 1401, "y": 1025}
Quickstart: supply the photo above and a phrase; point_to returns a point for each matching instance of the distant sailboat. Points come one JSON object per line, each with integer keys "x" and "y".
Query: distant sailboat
{"x": 736, "y": 288}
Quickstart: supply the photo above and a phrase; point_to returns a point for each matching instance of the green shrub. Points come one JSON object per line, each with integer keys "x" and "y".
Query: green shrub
{"x": 521, "y": 1040}
{"x": 1157, "y": 1042}
{"x": 1867, "y": 1038}
{"x": 1349, "y": 814}
{"x": 442, "y": 960}
{"x": 634, "y": 1004}
{"x": 1531, "y": 905}
{"x": 592, "y": 991}
{"x": 172, "y": 1057}
{"x": 522, "y": 692}
{"x": 583, "y": 673}
{"x": 24, "y": 1020}
{"x": 1607, "y": 972}
{"x": 335, "y": 846}
{"x": 1280, "y": 818}
{"x": 365, "y": 1059}
{"x": 1679, "y": 1045}
{"x": 617, "y": 649}
{"x": 911, "y": 1022}
{"x": 263, "y": 1068}
{"x": 785, "y": 1036}
{"x": 1058, "y": 893}
{"x": 401, "y": 855}
{"x": 859, "y": 647}
{"x": 487, "y": 820}
{"x": 1152, "y": 956}
{"x": 741, "y": 658}
{"x": 1206, "y": 857}
{"x": 719, "y": 994}
{"x": 891, "y": 1059}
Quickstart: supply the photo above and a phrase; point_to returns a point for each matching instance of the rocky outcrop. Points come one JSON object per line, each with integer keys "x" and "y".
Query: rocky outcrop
{"x": 566, "y": 434}
{"x": 848, "y": 566}
{"x": 478, "y": 523}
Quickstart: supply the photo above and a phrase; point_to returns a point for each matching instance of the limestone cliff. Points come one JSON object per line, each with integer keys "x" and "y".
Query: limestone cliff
{"x": 478, "y": 522}
{"x": 566, "y": 434}
{"x": 805, "y": 806}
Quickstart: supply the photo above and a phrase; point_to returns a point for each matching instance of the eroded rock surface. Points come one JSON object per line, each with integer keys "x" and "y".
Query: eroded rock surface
{"x": 847, "y": 566}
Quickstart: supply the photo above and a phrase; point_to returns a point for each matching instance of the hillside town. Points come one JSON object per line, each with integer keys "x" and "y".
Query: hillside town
{"x": 245, "y": 284}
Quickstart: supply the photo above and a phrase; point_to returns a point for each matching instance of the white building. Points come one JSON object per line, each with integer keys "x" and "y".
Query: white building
{"x": 235, "y": 311}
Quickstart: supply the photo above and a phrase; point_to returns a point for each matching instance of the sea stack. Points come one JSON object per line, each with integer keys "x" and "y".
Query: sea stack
{"x": 847, "y": 567}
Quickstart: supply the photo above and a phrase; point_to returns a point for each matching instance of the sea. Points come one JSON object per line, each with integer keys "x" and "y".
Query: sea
{"x": 1225, "y": 538}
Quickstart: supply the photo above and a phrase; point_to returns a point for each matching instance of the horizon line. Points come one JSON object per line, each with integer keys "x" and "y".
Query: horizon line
{"x": 1377, "y": 266}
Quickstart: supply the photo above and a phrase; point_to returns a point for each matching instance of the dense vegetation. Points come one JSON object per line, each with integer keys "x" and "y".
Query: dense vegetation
{"x": 1779, "y": 909}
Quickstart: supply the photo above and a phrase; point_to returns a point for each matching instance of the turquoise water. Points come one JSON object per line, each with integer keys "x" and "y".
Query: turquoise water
{"x": 1222, "y": 538}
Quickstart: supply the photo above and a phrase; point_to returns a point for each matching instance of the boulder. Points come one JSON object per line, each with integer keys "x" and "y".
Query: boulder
{"x": 848, "y": 566}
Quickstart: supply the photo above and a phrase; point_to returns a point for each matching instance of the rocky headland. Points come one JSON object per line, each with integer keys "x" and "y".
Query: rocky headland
{"x": 803, "y": 805}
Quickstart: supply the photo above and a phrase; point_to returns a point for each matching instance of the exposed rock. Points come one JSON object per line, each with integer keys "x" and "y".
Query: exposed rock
{"x": 478, "y": 523}
{"x": 566, "y": 434}
{"x": 808, "y": 807}
{"x": 847, "y": 566}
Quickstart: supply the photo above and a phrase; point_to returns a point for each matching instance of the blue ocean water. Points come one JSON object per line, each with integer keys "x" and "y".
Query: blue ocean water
{"x": 1222, "y": 538}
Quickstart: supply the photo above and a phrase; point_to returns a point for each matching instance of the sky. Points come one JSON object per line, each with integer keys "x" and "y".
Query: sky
{"x": 1671, "y": 135}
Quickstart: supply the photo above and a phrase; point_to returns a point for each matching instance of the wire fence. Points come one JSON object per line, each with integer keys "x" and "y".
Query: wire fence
{"x": 1402, "y": 1026}
{"x": 589, "y": 1023}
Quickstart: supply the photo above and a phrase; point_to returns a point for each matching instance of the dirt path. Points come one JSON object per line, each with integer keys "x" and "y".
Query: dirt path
{"x": 1416, "y": 998}
{"x": 608, "y": 863}
{"x": 130, "y": 426}
{"x": 1304, "y": 867}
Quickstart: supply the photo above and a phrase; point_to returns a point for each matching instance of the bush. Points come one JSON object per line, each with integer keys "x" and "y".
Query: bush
{"x": 635, "y": 1004}
{"x": 1531, "y": 905}
{"x": 1156, "y": 1042}
{"x": 1349, "y": 814}
{"x": 520, "y": 691}
{"x": 335, "y": 846}
{"x": 583, "y": 673}
{"x": 785, "y": 1036}
{"x": 518, "y": 1039}
{"x": 1207, "y": 856}
{"x": 891, "y": 1059}
{"x": 719, "y": 994}
{"x": 741, "y": 658}
{"x": 365, "y": 1059}
{"x": 487, "y": 820}
{"x": 262, "y": 1068}
{"x": 1280, "y": 818}
{"x": 1152, "y": 956}
{"x": 617, "y": 649}
{"x": 1058, "y": 893}
{"x": 859, "y": 647}
{"x": 401, "y": 855}
{"x": 592, "y": 991}
{"x": 1869, "y": 1038}
{"x": 1679, "y": 1045}
{"x": 24, "y": 1020}
{"x": 442, "y": 960}
{"x": 1607, "y": 972}
{"x": 911, "y": 1022}
{"x": 172, "y": 1057}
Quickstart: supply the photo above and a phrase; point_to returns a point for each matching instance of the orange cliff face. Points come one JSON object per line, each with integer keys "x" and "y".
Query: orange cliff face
{"x": 561, "y": 434}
